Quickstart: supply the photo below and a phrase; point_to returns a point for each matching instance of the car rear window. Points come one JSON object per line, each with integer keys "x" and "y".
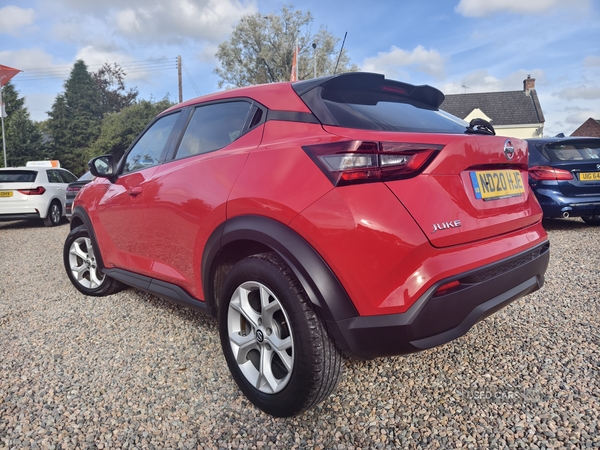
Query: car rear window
{"x": 573, "y": 152}
{"x": 371, "y": 110}
{"x": 371, "y": 102}
{"x": 17, "y": 176}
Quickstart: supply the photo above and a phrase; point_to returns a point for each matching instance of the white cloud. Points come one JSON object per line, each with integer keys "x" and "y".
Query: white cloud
{"x": 170, "y": 22}
{"x": 96, "y": 56}
{"x": 580, "y": 92}
{"x": 576, "y": 116}
{"x": 482, "y": 81}
{"x": 207, "y": 54}
{"x": 71, "y": 30}
{"x": 13, "y": 18}
{"x": 564, "y": 115}
{"x": 591, "y": 61}
{"x": 84, "y": 29}
{"x": 86, "y": 6}
{"x": 480, "y": 8}
{"x": 28, "y": 58}
{"x": 393, "y": 62}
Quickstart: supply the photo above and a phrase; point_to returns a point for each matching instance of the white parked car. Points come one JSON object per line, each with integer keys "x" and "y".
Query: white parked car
{"x": 36, "y": 191}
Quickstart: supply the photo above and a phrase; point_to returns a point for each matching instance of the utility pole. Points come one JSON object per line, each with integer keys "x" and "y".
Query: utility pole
{"x": 179, "y": 78}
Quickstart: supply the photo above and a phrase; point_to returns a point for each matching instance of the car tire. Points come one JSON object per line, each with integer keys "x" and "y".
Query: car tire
{"x": 82, "y": 268}
{"x": 275, "y": 344}
{"x": 54, "y": 215}
{"x": 592, "y": 220}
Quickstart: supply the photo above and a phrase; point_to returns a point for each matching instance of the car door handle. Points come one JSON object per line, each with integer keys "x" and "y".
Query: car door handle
{"x": 135, "y": 191}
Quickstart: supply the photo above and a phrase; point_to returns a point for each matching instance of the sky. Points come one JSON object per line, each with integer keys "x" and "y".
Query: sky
{"x": 455, "y": 45}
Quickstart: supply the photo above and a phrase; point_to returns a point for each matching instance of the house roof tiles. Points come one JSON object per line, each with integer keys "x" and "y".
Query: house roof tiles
{"x": 589, "y": 128}
{"x": 504, "y": 108}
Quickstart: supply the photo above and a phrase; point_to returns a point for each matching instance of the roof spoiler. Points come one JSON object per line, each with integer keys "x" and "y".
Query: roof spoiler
{"x": 372, "y": 81}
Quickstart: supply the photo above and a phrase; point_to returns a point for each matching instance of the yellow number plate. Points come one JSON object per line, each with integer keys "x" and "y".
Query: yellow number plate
{"x": 495, "y": 184}
{"x": 589, "y": 176}
{"x": 6, "y": 193}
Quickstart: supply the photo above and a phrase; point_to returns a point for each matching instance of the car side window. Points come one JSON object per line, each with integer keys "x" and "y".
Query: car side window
{"x": 67, "y": 177}
{"x": 54, "y": 176}
{"x": 147, "y": 150}
{"x": 213, "y": 127}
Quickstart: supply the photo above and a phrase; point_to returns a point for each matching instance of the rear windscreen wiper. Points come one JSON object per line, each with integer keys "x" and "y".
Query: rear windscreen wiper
{"x": 480, "y": 126}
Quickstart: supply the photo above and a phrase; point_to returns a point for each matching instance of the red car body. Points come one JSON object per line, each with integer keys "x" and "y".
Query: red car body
{"x": 394, "y": 260}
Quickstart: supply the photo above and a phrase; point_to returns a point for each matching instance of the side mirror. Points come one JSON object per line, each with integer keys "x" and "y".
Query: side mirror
{"x": 103, "y": 166}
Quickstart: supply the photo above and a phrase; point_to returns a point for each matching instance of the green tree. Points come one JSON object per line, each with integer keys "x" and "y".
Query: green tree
{"x": 75, "y": 119}
{"x": 121, "y": 128}
{"x": 23, "y": 138}
{"x": 261, "y": 49}
{"x": 110, "y": 81}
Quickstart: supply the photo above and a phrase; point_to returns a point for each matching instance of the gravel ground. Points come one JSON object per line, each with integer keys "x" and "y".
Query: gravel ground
{"x": 134, "y": 371}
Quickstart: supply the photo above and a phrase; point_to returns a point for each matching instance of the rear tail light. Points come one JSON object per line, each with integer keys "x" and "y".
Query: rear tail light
{"x": 73, "y": 188}
{"x": 352, "y": 162}
{"x": 37, "y": 191}
{"x": 549, "y": 173}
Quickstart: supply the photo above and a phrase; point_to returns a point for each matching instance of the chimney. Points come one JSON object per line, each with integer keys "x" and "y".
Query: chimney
{"x": 528, "y": 84}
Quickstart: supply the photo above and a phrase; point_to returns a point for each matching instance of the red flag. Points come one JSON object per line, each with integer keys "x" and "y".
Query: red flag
{"x": 6, "y": 73}
{"x": 294, "y": 75}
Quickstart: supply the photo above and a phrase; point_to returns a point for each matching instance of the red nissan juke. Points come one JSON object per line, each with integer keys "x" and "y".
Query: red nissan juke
{"x": 339, "y": 216}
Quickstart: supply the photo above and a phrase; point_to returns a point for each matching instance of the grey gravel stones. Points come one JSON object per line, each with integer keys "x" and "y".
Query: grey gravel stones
{"x": 134, "y": 371}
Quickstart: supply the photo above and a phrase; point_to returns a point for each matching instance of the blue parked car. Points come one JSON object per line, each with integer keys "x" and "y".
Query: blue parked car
{"x": 564, "y": 173}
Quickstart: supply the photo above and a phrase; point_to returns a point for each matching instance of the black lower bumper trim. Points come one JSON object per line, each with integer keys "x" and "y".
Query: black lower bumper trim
{"x": 21, "y": 216}
{"x": 436, "y": 319}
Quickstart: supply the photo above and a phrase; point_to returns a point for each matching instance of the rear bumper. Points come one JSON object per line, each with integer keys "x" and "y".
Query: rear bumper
{"x": 68, "y": 210}
{"x": 554, "y": 204}
{"x": 436, "y": 319}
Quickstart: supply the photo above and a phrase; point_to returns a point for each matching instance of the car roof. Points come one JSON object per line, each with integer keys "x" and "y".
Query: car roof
{"x": 285, "y": 96}
{"x": 275, "y": 96}
{"x": 30, "y": 168}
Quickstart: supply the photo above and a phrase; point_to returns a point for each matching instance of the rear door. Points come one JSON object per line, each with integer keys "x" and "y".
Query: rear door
{"x": 58, "y": 180}
{"x": 185, "y": 199}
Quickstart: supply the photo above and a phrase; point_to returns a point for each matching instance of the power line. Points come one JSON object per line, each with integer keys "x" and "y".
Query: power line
{"x": 62, "y": 72}
{"x": 190, "y": 77}
{"x": 122, "y": 64}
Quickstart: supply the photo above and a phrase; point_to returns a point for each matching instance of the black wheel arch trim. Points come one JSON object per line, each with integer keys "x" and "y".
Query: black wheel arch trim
{"x": 320, "y": 283}
{"x": 81, "y": 214}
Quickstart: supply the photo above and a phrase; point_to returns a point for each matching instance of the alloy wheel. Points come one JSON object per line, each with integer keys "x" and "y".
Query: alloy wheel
{"x": 260, "y": 337}
{"x": 55, "y": 213}
{"x": 83, "y": 265}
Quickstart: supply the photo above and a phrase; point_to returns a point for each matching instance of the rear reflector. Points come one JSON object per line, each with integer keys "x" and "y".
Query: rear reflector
{"x": 549, "y": 173}
{"x": 446, "y": 287}
{"x": 352, "y": 162}
{"x": 37, "y": 191}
